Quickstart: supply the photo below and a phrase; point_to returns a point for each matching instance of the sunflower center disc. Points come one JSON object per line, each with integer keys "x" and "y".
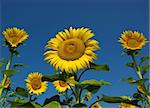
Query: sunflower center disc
{"x": 36, "y": 84}
{"x": 62, "y": 84}
{"x": 71, "y": 49}
{"x": 133, "y": 43}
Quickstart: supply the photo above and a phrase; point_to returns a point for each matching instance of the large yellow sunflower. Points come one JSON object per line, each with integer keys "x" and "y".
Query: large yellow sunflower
{"x": 125, "y": 105}
{"x": 34, "y": 83}
{"x": 132, "y": 40}
{"x": 72, "y": 49}
{"x": 62, "y": 86}
{"x": 14, "y": 36}
{"x": 96, "y": 105}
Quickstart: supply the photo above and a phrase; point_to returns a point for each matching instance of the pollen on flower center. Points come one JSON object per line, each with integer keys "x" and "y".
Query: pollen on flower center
{"x": 133, "y": 43}
{"x": 36, "y": 84}
{"x": 71, "y": 49}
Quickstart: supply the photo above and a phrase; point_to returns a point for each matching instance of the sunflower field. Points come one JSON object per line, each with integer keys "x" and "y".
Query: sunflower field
{"x": 74, "y": 54}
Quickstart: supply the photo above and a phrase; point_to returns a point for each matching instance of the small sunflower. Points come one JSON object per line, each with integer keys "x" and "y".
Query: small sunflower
{"x": 96, "y": 105}
{"x": 132, "y": 40}
{"x": 125, "y": 105}
{"x": 62, "y": 86}
{"x": 14, "y": 36}
{"x": 34, "y": 83}
{"x": 72, "y": 49}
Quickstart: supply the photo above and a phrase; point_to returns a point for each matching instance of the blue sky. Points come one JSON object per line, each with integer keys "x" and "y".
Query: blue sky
{"x": 42, "y": 19}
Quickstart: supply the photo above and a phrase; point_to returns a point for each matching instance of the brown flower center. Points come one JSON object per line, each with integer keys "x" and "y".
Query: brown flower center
{"x": 133, "y": 43}
{"x": 63, "y": 84}
{"x": 36, "y": 84}
{"x": 71, "y": 49}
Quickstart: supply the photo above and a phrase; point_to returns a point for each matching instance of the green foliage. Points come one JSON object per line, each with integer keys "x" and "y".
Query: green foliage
{"x": 53, "y": 98}
{"x": 130, "y": 64}
{"x": 80, "y": 105}
{"x": 10, "y": 72}
{"x": 21, "y": 91}
{"x": 1, "y": 86}
{"x": 145, "y": 67}
{"x": 92, "y": 88}
{"x": 98, "y": 67}
{"x": 137, "y": 96}
{"x": 53, "y": 104}
{"x": 18, "y": 65}
{"x": 119, "y": 99}
{"x": 131, "y": 80}
{"x": 144, "y": 58}
{"x": 94, "y": 82}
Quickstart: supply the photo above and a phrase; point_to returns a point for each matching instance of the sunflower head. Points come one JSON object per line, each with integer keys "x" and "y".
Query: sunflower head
{"x": 34, "y": 83}
{"x": 15, "y": 36}
{"x": 132, "y": 40}
{"x": 125, "y": 105}
{"x": 96, "y": 105}
{"x": 71, "y": 50}
{"x": 62, "y": 86}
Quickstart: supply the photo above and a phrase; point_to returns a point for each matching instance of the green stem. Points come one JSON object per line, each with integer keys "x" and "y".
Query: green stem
{"x": 136, "y": 66}
{"x": 72, "y": 91}
{"x": 82, "y": 74}
{"x": 4, "y": 99}
{"x": 7, "y": 68}
{"x": 80, "y": 95}
{"x": 94, "y": 103}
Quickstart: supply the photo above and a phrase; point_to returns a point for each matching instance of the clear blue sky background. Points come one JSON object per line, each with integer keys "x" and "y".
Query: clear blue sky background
{"x": 42, "y": 19}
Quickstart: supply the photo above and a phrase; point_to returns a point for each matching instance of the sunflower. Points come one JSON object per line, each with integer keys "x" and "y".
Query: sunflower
{"x": 96, "y": 105}
{"x": 132, "y": 40}
{"x": 34, "y": 83}
{"x": 14, "y": 36}
{"x": 72, "y": 49}
{"x": 125, "y": 105}
{"x": 62, "y": 86}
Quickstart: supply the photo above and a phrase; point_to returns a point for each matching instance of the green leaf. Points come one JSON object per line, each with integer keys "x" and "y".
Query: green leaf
{"x": 94, "y": 82}
{"x": 36, "y": 105}
{"x": 99, "y": 67}
{"x": 119, "y": 99}
{"x": 21, "y": 91}
{"x": 145, "y": 58}
{"x": 80, "y": 105}
{"x": 145, "y": 67}
{"x": 53, "y": 98}
{"x": 19, "y": 65}
{"x": 130, "y": 80}
{"x": 144, "y": 72}
{"x": 130, "y": 65}
{"x": 53, "y": 104}
{"x": 137, "y": 96}
{"x": 27, "y": 105}
{"x": 72, "y": 81}
{"x": 92, "y": 89}
{"x": 10, "y": 72}
{"x": 52, "y": 78}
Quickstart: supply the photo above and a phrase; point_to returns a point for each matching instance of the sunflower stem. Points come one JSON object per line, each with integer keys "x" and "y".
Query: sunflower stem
{"x": 94, "y": 103}
{"x": 7, "y": 68}
{"x": 137, "y": 69}
{"x": 72, "y": 91}
{"x": 82, "y": 74}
